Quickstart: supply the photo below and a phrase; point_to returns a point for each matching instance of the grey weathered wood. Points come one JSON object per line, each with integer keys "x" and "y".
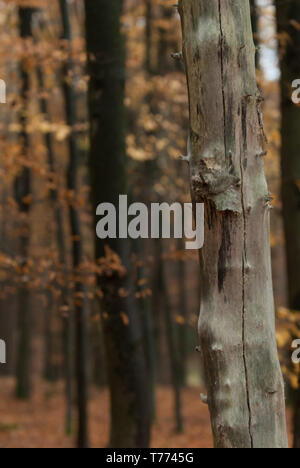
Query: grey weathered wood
{"x": 236, "y": 324}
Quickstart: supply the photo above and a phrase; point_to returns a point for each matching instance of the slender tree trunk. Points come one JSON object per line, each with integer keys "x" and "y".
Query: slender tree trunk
{"x": 99, "y": 371}
{"x": 237, "y": 320}
{"x": 81, "y": 313}
{"x": 51, "y": 370}
{"x": 145, "y": 304}
{"x": 130, "y": 401}
{"x": 182, "y": 328}
{"x": 288, "y": 16}
{"x": 63, "y": 263}
{"x": 22, "y": 193}
{"x": 8, "y": 321}
{"x": 173, "y": 347}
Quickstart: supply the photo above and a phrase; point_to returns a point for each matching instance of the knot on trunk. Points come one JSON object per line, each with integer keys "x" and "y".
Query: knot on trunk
{"x": 214, "y": 178}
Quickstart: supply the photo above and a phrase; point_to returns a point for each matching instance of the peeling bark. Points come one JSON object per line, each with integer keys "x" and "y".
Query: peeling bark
{"x": 236, "y": 324}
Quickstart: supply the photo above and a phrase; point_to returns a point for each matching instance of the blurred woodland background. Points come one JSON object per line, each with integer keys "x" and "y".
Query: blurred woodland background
{"x": 66, "y": 318}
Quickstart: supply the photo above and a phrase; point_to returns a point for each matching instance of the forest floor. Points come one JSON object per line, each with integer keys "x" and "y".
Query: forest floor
{"x": 39, "y": 423}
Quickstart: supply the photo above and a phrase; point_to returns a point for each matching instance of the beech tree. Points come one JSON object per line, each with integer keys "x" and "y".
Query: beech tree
{"x": 126, "y": 364}
{"x": 80, "y": 301}
{"x": 225, "y": 153}
{"x": 22, "y": 195}
{"x": 288, "y": 19}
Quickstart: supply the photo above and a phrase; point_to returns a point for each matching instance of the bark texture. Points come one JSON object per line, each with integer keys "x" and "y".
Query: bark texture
{"x": 288, "y": 15}
{"x": 236, "y": 324}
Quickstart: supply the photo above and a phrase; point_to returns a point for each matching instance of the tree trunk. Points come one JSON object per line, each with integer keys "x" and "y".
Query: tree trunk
{"x": 172, "y": 342}
{"x": 81, "y": 313}
{"x": 236, "y": 324}
{"x": 287, "y": 13}
{"x": 22, "y": 193}
{"x": 63, "y": 263}
{"x": 51, "y": 368}
{"x": 130, "y": 402}
{"x": 182, "y": 328}
{"x": 145, "y": 305}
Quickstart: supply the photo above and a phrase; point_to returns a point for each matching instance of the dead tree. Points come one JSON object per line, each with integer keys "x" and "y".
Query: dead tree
{"x": 225, "y": 149}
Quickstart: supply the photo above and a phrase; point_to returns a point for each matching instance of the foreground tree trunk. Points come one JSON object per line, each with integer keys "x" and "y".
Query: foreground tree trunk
{"x": 288, "y": 19}
{"x": 23, "y": 193}
{"x": 81, "y": 312}
{"x": 129, "y": 390}
{"x": 236, "y": 324}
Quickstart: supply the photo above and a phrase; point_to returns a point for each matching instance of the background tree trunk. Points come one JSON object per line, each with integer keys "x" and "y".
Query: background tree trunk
{"x": 129, "y": 391}
{"x": 172, "y": 339}
{"x": 64, "y": 302}
{"x": 236, "y": 324}
{"x": 22, "y": 193}
{"x": 183, "y": 313}
{"x": 288, "y": 15}
{"x": 145, "y": 305}
{"x": 81, "y": 312}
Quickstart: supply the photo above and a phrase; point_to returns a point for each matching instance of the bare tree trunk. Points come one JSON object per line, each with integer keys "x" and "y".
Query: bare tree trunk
{"x": 145, "y": 305}
{"x": 172, "y": 342}
{"x": 288, "y": 16}
{"x": 51, "y": 369}
{"x": 236, "y": 324}
{"x": 81, "y": 313}
{"x": 182, "y": 328}
{"x": 63, "y": 263}
{"x": 22, "y": 193}
{"x": 127, "y": 374}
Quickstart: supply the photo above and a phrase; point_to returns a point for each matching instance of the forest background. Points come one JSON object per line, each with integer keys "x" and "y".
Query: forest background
{"x": 54, "y": 385}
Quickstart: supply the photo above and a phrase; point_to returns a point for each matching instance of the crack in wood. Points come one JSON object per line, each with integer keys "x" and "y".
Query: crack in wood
{"x": 244, "y": 220}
